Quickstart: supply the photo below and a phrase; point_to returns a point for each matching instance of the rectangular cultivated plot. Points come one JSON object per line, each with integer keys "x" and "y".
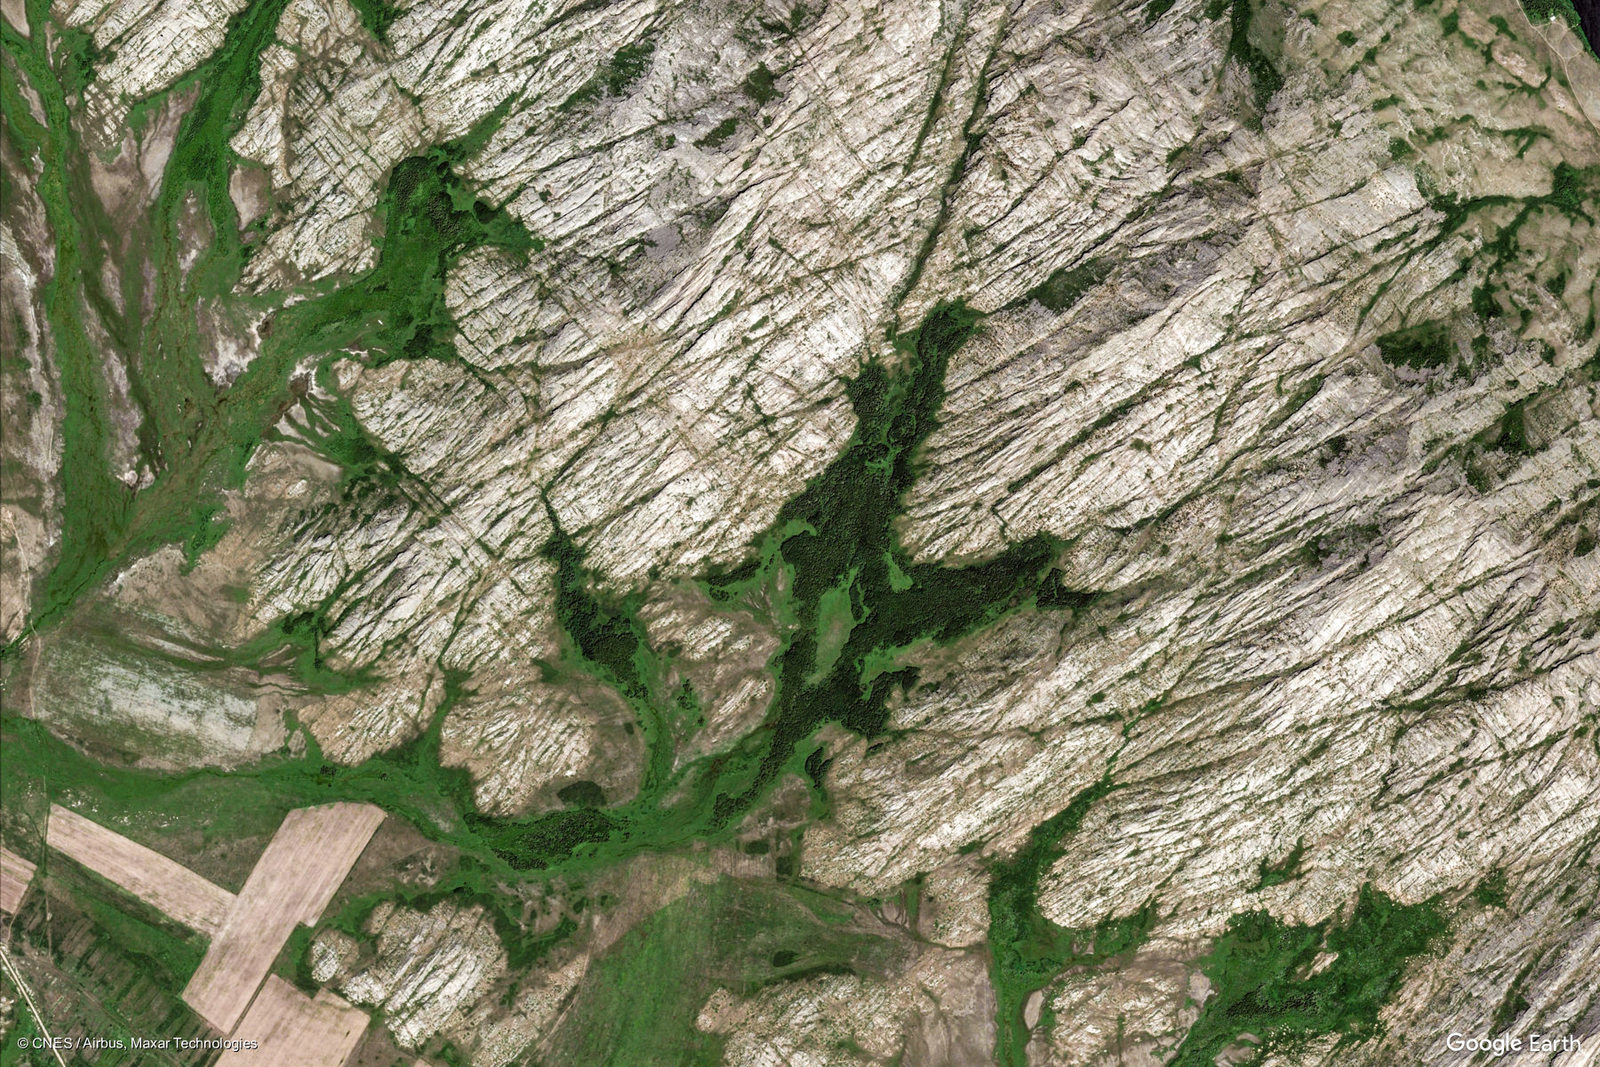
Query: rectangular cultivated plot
{"x": 295, "y": 879}
{"x": 292, "y": 1028}
{"x": 15, "y": 874}
{"x": 169, "y": 887}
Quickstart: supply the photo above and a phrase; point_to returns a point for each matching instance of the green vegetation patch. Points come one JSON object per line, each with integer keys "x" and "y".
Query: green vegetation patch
{"x": 1027, "y": 949}
{"x": 837, "y": 614}
{"x": 637, "y": 1004}
{"x": 718, "y": 133}
{"x": 1286, "y": 870}
{"x": 1513, "y": 430}
{"x": 377, "y": 16}
{"x": 1155, "y": 9}
{"x": 544, "y": 841}
{"x": 610, "y": 640}
{"x": 761, "y": 85}
{"x": 1065, "y": 288}
{"x": 1572, "y": 190}
{"x": 1422, "y": 347}
{"x": 76, "y": 58}
{"x": 615, "y": 76}
{"x": 1491, "y": 891}
{"x": 784, "y": 29}
{"x": 1263, "y": 984}
{"x": 838, "y": 534}
{"x": 582, "y": 794}
{"x": 398, "y": 311}
{"x": 1264, "y": 77}
{"x": 205, "y": 537}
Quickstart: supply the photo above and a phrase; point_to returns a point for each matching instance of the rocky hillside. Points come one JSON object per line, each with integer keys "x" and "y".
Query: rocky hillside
{"x": 912, "y": 532}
